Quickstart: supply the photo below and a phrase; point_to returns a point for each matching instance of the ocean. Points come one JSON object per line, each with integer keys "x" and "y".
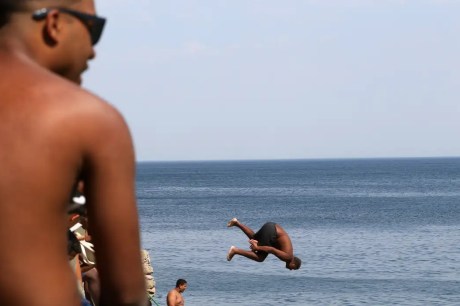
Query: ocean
{"x": 368, "y": 231}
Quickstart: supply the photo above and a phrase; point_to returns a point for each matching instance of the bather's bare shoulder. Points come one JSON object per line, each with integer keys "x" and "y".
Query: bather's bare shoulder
{"x": 80, "y": 119}
{"x": 79, "y": 101}
{"x": 78, "y": 106}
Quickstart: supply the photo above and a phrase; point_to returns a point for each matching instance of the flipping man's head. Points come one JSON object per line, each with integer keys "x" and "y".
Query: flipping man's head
{"x": 294, "y": 264}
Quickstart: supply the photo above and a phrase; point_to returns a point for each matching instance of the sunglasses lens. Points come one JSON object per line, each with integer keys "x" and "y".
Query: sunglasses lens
{"x": 96, "y": 29}
{"x": 95, "y": 24}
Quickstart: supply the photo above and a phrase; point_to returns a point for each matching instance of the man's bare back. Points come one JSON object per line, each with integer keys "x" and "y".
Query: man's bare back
{"x": 52, "y": 132}
{"x": 283, "y": 241}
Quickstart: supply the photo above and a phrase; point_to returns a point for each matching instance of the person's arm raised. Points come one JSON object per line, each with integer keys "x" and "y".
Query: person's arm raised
{"x": 109, "y": 174}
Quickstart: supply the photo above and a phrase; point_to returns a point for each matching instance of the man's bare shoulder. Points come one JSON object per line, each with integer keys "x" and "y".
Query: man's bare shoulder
{"x": 65, "y": 115}
{"x": 77, "y": 100}
{"x": 174, "y": 298}
{"x": 174, "y": 294}
{"x": 91, "y": 110}
{"x": 35, "y": 86}
{"x": 67, "y": 102}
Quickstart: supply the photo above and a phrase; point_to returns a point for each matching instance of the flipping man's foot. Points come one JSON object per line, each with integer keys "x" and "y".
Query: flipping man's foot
{"x": 231, "y": 253}
{"x": 232, "y": 222}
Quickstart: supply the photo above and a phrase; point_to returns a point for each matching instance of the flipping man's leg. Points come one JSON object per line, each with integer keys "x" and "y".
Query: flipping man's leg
{"x": 234, "y": 222}
{"x": 259, "y": 257}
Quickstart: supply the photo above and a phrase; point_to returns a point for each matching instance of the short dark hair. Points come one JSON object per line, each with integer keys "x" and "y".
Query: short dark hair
{"x": 297, "y": 262}
{"x": 180, "y": 282}
{"x": 9, "y": 6}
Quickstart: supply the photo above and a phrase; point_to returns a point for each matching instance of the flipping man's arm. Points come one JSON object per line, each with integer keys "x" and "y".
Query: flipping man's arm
{"x": 284, "y": 256}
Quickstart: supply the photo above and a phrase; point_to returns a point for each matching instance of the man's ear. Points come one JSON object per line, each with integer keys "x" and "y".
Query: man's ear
{"x": 53, "y": 27}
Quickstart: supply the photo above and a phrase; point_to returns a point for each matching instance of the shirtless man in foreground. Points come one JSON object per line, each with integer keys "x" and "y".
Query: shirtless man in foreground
{"x": 174, "y": 297}
{"x": 271, "y": 238}
{"x": 52, "y": 133}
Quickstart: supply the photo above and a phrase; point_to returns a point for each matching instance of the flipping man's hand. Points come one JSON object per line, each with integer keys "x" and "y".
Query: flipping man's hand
{"x": 254, "y": 244}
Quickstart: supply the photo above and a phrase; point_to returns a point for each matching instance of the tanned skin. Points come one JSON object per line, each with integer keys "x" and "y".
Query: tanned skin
{"x": 174, "y": 297}
{"x": 53, "y": 132}
{"x": 283, "y": 248}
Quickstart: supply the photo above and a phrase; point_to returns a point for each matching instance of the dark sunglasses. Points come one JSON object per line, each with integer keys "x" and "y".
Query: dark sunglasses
{"x": 93, "y": 23}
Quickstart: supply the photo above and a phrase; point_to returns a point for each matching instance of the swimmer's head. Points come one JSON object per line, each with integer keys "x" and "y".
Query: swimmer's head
{"x": 294, "y": 264}
{"x": 181, "y": 285}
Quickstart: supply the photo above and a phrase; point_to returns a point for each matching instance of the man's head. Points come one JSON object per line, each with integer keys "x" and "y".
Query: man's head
{"x": 294, "y": 264}
{"x": 57, "y": 34}
{"x": 181, "y": 285}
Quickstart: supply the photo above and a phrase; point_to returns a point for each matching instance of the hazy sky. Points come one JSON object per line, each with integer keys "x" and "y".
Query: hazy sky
{"x": 266, "y": 79}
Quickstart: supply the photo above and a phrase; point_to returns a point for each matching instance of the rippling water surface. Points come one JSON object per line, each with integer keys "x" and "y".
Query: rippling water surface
{"x": 369, "y": 232}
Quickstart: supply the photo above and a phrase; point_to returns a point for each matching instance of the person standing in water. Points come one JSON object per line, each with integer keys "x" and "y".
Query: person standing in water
{"x": 174, "y": 297}
{"x": 271, "y": 238}
{"x": 53, "y": 133}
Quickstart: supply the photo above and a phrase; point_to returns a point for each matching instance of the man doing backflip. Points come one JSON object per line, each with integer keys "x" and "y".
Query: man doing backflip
{"x": 271, "y": 238}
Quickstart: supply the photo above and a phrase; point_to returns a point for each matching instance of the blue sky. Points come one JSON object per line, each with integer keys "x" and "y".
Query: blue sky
{"x": 265, "y": 79}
